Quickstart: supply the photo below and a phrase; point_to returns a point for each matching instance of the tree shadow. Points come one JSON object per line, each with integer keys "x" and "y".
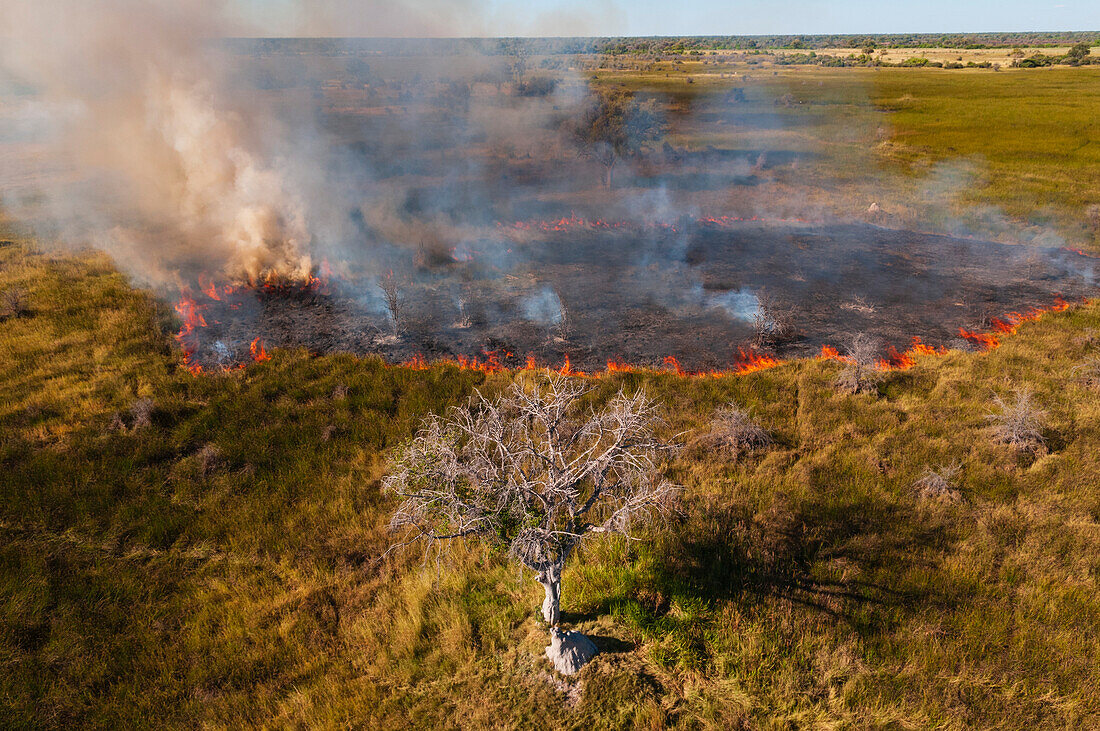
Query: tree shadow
{"x": 611, "y": 645}
{"x": 854, "y": 561}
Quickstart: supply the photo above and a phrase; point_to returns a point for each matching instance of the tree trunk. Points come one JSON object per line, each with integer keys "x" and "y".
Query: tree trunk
{"x": 610, "y": 176}
{"x": 551, "y": 584}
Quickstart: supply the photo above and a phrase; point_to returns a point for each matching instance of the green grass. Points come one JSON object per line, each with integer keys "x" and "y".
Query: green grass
{"x": 802, "y": 586}
{"x": 1011, "y": 154}
{"x": 1033, "y": 139}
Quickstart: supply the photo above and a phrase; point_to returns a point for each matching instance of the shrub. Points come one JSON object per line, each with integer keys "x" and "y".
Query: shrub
{"x": 208, "y": 458}
{"x": 1019, "y": 423}
{"x": 861, "y": 372}
{"x": 538, "y": 86}
{"x": 13, "y": 303}
{"x": 732, "y": 430}
{"x": 141, "y": 412}
{"x": 773, "y": 323}
{"x": 1088, "y": 373}
{"x": 1093, "y": 215}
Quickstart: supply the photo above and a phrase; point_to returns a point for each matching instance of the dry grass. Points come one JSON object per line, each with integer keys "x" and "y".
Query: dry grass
{"x": 139, "y": 583}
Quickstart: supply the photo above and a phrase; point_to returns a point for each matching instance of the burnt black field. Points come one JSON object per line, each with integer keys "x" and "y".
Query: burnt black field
{"x": 638, "y": 294}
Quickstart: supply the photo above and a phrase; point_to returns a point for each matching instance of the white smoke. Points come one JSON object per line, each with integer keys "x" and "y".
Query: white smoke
{"x": 143, "y": 151}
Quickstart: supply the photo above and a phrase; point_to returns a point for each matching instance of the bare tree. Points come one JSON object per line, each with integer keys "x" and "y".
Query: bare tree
{"x": 861, "y": 370}
{"x": 1019, "y": 423}
{"x": 534, "y": 472}
{"x": 395, "y": 303}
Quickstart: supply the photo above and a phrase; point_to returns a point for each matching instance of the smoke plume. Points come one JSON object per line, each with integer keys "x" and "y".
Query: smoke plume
{"x": 147, "y": 155}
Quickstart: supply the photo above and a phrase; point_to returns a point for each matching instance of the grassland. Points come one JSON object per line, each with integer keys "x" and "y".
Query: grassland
{"x": 152, "y": 579}
{"x": 218, "y": 566}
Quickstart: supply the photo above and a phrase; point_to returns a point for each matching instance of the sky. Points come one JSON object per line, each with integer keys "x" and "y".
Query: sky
{"x": 418, "y": 18}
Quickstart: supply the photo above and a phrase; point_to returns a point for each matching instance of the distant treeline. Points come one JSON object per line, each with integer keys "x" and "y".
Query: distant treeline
{"x": 655, "y": 46}
{"x": 895, "y": 40}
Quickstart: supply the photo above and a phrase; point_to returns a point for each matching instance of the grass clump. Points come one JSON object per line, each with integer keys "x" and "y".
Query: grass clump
{"x": 939, "y": 484}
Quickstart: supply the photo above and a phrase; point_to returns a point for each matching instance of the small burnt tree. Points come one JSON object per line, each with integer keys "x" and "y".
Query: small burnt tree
{"x": 534, "y": 472}
{"x": 612, "y": 126}
{"x": 395, "y": 303}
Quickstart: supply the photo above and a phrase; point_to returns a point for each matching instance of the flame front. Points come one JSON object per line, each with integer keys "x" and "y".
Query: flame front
{"x": 492, "y": 361}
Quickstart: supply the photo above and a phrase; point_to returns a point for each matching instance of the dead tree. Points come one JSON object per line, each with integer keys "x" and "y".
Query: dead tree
{"x": 395, "y": 303}
{"x": 534, "y": 472}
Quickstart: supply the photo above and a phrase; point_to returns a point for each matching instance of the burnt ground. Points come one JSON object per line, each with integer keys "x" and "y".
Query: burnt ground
{"x": 637, "y": 295}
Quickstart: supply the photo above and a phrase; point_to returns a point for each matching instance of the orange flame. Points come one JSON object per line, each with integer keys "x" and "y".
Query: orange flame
{"x": 895, "y": 361}
{"x": 258, "y": 353}
{"x": 828, "y": 352}
{"x": 752, "y": 362}
{"x": 1009, "y": 323}
{"x": 494, "y": 361}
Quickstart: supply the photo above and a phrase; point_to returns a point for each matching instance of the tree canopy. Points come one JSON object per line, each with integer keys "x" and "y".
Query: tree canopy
{"x": 614, "y": 125}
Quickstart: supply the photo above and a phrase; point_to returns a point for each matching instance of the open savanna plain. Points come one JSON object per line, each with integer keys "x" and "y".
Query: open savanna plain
{"x": 1005, "y": 154}
{"x": 184, "y": 551}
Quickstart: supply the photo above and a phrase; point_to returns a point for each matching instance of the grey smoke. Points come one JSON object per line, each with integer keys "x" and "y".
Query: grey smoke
{"x": 543, "y": 307}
